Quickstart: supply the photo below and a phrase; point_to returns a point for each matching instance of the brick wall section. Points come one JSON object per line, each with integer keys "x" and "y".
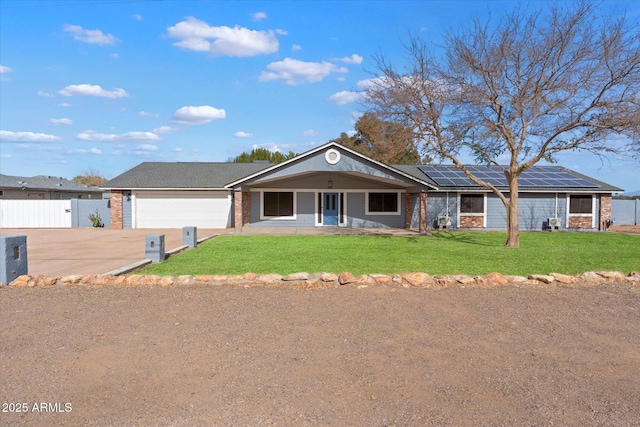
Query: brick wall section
{"x": 423, "y": 213}
{"x": 469, "y": 221}
{"x": 407, "y": 210}
{"x": 246, "y": 208}
{"x": 116, "y": 209}
{"x": 580, "y": 221}
{"x": 237, "y": 210}
{"x": 605, "y": 210}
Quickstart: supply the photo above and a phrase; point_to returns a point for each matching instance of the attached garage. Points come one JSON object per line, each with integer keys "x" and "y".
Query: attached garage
{"x": 181, "y": 208}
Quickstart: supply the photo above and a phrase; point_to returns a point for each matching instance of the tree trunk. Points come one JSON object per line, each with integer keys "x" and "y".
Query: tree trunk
{"x": 513, "y": 228}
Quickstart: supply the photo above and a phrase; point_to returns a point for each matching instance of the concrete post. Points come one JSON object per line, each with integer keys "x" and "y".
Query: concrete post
{"x": 190, "y": 236}
{"x": 13, "y": 257}
{"x": 154, "y": 247}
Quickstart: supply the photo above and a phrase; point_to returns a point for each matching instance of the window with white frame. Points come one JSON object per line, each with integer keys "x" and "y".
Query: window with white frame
{"x": 277, "y": 204}
{"x": 580, "y": 204}
{"x": 472, "y": 204}
{"x": 383, "y": 203}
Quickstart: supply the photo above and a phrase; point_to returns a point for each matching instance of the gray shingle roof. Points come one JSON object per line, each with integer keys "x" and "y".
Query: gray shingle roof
{"x": 183, "y": 175}
{"x": 45, "y": 182}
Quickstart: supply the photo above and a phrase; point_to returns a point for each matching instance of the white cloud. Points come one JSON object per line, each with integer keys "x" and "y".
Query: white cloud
{"x": 45, "y": 94}
{"x": 295, "y": 72}
{"x": 310, "y": 132}
{"x": 93, "y": 90}
{"x": 258, "y": 16}
{"x": 138, "y": 17}
{"x": 114, "y": 55}
{"x": 10, "y": 136}
{"x": 280, "y": 32}
{"x": 147, "y": 114}
{"x": 198, "y": 115}
{"x": 353, "y": 59}
{"x": 93, "y": 150}
{"x": 295, "y": 47}
{"x": 62, "y": 121}
{"x": 163, "y": 130}
{"x": 5, "y": 69}
{"x": 345, "y": 97}
{"x": 89, "y": 36}
{"x": 271, "y": 146}
{"x": 241, "y": 134}
{"x": 134, "y": 136}
{"x": 5, "y": 156}
{"x": 65, "y": 105}
{"x": 147, "y": 147}
{"x": 199, "y": 36}
{"x": 177, "y": 150}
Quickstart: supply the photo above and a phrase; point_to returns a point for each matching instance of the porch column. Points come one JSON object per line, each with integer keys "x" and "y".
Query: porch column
{"x": 407, "y": 210}
{"x": 246, "y": 208}
{"x": 605, "y": 211}
{"x": 116, "y": 209}
{"x": 237, "y": 210}
{"x": 423, "y": 213}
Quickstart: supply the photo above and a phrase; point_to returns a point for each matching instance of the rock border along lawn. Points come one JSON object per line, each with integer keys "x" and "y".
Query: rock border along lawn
{"x": 330, "y": 280}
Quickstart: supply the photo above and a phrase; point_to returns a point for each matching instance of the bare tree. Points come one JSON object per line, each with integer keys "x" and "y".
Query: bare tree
{"x": 91, "y": 178}
{"x": 523, "y": 90}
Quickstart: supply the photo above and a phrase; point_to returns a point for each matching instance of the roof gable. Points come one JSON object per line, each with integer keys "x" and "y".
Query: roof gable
{"x": 354, "y": 162}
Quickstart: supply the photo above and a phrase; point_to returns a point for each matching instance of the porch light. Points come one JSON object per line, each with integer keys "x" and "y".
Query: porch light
{"x": 329, "y": 184}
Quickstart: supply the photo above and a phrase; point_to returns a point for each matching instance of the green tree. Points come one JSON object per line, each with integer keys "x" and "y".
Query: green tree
{"x": 517, "y": 91}
{"x": 385, "y": 141}
{"x": 262, "y": 154}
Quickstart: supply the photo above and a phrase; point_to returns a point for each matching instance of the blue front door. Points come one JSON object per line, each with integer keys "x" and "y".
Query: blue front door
{"x": 330, "y": 209}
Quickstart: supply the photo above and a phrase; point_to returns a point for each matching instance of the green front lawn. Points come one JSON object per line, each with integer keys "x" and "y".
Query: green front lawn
{"x": 472, "y": 253}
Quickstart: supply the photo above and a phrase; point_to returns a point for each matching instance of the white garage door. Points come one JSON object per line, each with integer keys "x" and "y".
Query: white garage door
{"x": 177, "y": 209}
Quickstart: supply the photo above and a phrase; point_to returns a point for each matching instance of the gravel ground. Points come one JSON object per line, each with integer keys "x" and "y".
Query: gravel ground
{"x": 378, "y": 356}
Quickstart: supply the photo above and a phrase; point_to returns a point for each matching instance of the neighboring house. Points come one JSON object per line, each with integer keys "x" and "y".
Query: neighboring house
{"x": 337, "y": 187}
{"x": 43, "y": 187}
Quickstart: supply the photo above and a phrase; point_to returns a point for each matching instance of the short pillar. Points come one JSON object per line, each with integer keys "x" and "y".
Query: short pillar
{"x": 154, "y": 247}
{"x": 13, "y": 257}
{"x": 190, "y": 236}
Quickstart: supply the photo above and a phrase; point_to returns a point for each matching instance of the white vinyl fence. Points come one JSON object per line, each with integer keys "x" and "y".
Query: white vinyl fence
{"x": 35, "y": 213}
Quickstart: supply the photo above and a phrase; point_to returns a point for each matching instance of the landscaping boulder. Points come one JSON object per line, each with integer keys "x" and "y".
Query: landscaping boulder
{"x": 345, "y": 278}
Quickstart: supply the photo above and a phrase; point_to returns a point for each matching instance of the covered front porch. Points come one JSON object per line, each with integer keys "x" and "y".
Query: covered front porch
{"x": 331, "y": 187}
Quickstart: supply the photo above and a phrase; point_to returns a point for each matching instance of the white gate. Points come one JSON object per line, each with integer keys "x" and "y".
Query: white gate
{"x": 35, "y": 213}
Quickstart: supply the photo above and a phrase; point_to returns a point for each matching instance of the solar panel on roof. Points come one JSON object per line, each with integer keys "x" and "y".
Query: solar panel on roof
{"x": 450, "y": 176}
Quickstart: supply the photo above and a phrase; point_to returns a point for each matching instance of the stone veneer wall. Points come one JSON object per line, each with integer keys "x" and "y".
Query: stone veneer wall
{"x": 471, "y": 221}
{"x": 116, "y": 209}
{"x": 580, "y": 221}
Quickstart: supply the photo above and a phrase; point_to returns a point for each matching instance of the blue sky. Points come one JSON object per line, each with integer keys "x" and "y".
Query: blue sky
{"x": 106, "y": 84}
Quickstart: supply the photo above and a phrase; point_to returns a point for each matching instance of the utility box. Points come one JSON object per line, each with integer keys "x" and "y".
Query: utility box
{"x": 13, "y": 257}
{"x": 190, "y": 236}
{"x": 154, "y": 247}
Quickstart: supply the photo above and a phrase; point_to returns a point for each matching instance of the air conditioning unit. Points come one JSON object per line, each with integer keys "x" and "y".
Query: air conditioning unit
{"x": 444, "y": 221}
{"x": 554, "y": 223}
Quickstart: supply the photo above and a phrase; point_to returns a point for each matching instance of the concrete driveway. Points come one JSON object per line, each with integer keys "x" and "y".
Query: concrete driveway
{"x": 62, "y": 252}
